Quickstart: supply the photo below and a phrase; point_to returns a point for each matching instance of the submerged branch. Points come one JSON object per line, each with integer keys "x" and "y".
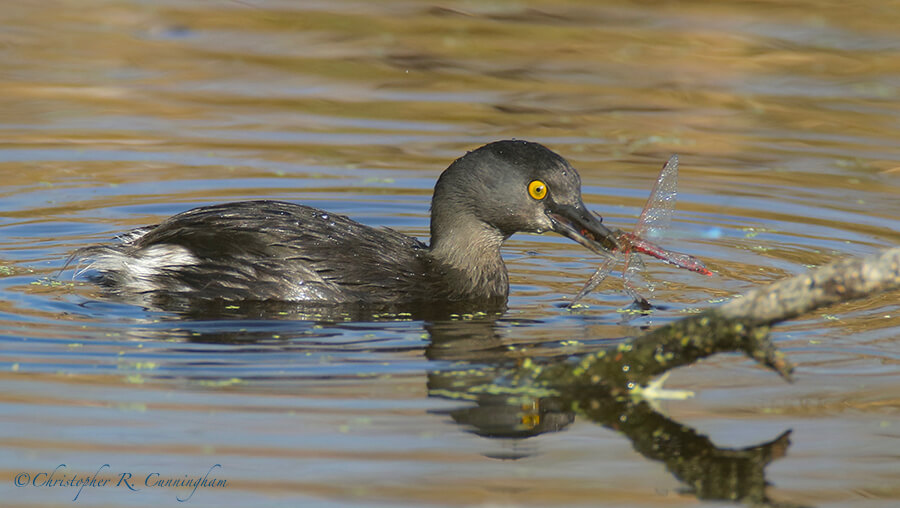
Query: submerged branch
{"x": 839, "y": 281}
{"x": 536, "y": 397}
{"x": 739, "y": 325}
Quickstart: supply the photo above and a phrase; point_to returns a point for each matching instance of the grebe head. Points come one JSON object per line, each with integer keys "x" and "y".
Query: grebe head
{"x": 507, "y": 187}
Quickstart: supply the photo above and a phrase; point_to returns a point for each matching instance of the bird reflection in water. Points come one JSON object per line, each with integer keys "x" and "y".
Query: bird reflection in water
{"x": 482, "y": 379}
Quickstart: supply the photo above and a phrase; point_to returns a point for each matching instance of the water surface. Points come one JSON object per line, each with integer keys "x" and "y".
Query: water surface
{"x": 117, "y": 114}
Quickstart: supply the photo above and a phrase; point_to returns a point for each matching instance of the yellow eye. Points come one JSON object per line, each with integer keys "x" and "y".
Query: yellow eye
{"x": 537, "y": 189}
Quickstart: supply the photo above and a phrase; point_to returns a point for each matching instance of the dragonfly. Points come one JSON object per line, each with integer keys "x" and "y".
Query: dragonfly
{"x": 654, "y": 220}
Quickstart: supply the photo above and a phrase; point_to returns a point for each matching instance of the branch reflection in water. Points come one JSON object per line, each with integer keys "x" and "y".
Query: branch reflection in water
{"x": 502, "y": 400}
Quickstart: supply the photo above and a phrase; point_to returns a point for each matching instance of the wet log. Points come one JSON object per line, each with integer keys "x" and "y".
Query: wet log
{"x": 741, "y": 324}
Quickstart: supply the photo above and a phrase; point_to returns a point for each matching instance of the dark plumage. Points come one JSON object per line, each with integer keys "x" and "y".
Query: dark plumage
{"x": 270, "y": 250}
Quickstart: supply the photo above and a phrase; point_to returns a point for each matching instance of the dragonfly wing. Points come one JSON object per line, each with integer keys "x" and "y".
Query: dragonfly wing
{"x": 657, "y": 213}
{"x": 635, "y": 282}
{"x": 595, "y": 280}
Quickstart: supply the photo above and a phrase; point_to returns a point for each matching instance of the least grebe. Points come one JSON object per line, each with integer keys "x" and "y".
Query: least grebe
{"x": 272, "y": 250}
